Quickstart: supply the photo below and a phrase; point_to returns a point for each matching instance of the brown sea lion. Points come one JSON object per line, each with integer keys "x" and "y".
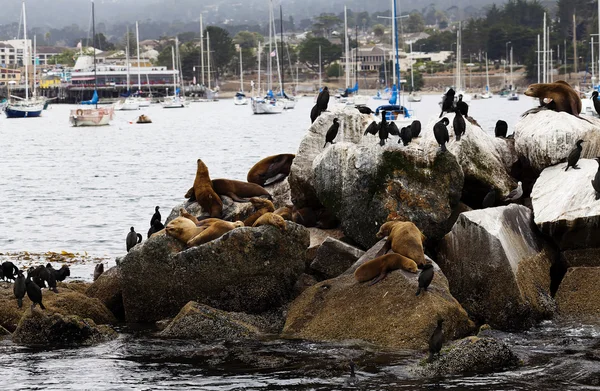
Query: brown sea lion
{"x": 262, "y": 206}
{"x": 203, "y": 192}
{"x": 285, "y": 212}
{"x": 270, "y": 219}
{"x": 305, "y": 216}
{"x": 379, "y": 267}
{"x": 186, "y": 231}
{"x": 271, "y": 169}
{"x": 237, "y": 190}
{"x": 182, "y": 229}
{"x": 184, "y": 213}
{"x": 558, "y": 96}
{"x": 404, "y": 238}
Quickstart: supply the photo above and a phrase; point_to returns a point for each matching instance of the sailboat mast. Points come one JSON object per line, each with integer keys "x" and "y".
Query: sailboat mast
{"x": 26, "y": 53}
{"x": 396, "y": 62}
{"x": 320, "y": 78}
{"x": 347, "y": 47}
{"x": 34, "y": 64}
{"x": 281, "y": 31}
{"x": 356, "y": 56}
{"x": 241, "y": 72}
{"x": 93, "y": 47}
{"x": 201, "y": 51}
{"x": 412, "y": 76}
{"x": 259, "y": 56}
{"x": 270, "y": 65}
{"x": 487, "y": 75}
{"x": 277, "y": 55}
{"x": 127, "y": 60}
{"x": 174, "y": 73}
{"x": 137, "y": 38}
{"x": 208, "y": 57}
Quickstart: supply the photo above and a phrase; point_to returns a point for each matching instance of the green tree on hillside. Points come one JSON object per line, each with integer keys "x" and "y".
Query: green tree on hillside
{"x": 309, "y": 52}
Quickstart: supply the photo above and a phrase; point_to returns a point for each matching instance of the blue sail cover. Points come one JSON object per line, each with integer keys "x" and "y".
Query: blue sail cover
{"x": 270, "y": 94}
{"x": 394, "y": 97}
{"x": 93, "y": 101}
{"x": 126, "y": 95}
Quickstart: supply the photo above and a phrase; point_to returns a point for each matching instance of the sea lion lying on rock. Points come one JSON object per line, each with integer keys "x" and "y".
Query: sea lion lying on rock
{"x": 186, "y": 231}
{"x": 379, "y": 267}
{"x": 261, "y": 206}
{"x": 237, "y": 190}
{"x": 203, "y": 192}
{"x": 558, "y": 96}
{"x": 270, "y": 219}
{"x": 271, "y": 169}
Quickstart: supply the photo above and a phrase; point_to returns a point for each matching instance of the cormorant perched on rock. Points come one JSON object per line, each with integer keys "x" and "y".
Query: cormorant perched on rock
{"x": 155, "y": 216}
{"x": 596, "y": 180}
{"x": 425, "y": 278}
{"x": 49, "y": 274}
{"x": 364, "y": 109}
{"x": 158, "y": 226}
{"x": 19, "y": 288}
{"x": 594, "y": 99}
{"x": 98, "y": 270}
{"x": 515, "y": 194}
{"x": 458, "y": 124}
{"x": 133, "y": 238}
{"x": 34, "y": 293}
{"x": 332, "y": 132}
{"x": 9, "y": 270}
{"x": 383, "y": 129}
{"x": 501, "y": 128}
{"x": 321, "y": 105}
{"x": 314, "y": 113}
{"x": 405, "y": 135}
{"x": 393, "y": 129}
{"x": 574, "y": 155}
{"x": 448, "y": 102}
{"x": 62, "y": 273}
{"x": 373, "y": 128}
{"x": 489, "y": 200}
{"x": 462, "y": 106}
{"x": 436, "y": 340}
{"x": 440, "y": 131}
{"x": 415, "y": 128}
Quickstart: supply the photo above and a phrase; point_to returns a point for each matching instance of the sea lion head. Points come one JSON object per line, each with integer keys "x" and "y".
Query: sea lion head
{"x": 278, "y": 221}
{"x": 238, "y": 224}
{"x": 532, "y": 90}
{"x": 258, "y": 202}
{"x": 385, "y": 229}
{"x": 180, "y": 227}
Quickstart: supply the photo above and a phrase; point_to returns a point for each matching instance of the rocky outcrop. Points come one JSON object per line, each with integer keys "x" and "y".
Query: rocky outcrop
{"x": 485, "y": 160}
{"x": 472, "y": 355}
{"x": 301, "y": 179}
{"x": 578, "y": 293}
{"x": 387, "y": 314}
{"x": 565, "y": 206}
{"x": 38, "y": 327}
{"x": 498, "y": 267}
{"x": 107, "y": 289}
{"x": 66, "y": 302}
{"x": 334, "y": 257}
{"x": 317, "y": 237}
{"x": 585, "y": 257}
{"x": 546, "y": 138}
{"x": 246, "y": 270}
{"x": 366, "y": 185}
{"x": 199, "y": 321}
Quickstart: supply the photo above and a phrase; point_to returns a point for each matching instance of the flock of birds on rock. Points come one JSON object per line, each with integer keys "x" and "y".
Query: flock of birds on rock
{"x": 134, "y": 238}
{"x": 37, "y": 278}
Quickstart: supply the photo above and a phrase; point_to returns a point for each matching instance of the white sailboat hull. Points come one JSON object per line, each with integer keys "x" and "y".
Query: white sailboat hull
{"x": 128, "y": 104}
{"x": 262, "y": 106}
{"x": 239, "y": 101}
{"x": 413, "y": 97}
{"x": 288, "y": 104}
{"x": 92, "y": 117}
{"x": 174, "y": 102}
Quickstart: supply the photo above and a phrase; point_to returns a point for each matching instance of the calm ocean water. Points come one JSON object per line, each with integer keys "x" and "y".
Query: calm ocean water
{"x": 80, "y": 189}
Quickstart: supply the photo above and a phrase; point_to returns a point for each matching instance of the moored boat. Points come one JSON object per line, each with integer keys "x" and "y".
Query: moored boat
{"x": 267, "y": 106}
{"x": 240, "y": 99}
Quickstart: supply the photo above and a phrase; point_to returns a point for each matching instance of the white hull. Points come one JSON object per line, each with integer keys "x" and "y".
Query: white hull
{"x": 240, "y": 101}
{"x": 360, "y": 100}
{"x": 143, "y": 102}
{"x": 128, "y": 104}
{"x": 513, "y": 96}
{"x": 413, "y": 97}
{"x": 92, "y": 117}
{"x": 175, "y": 102}
{"x": 485, "y": 95}
{"x": 288, "y": 103}
{"x": 262, "y": 106}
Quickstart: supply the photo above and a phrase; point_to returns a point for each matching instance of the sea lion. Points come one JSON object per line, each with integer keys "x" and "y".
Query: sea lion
{"x": 379, "y": 267}
{"x": 596, "y": 180}
{"x": 213, "y": 231}
{"x": 447, "y": 102}
{"x": 34, "y": 292}
{"x": 261, "y": 206}
{"x": 271, "y": 169}
{"x": 203, "y": 192}
{"x": 501, "y": 128}
{"x": 574, "y": 155}
{"x": 440, "y": 131}
{"x": 186, "y": 231}
{"x": 184, "y": 213}
{"x": 561, "y": 95}
{"x": 436, "y": 340}
{"x": 98, "y": 270}
{"x": 404, "y": 238}
{"x": 132, "y": 239}
{"x": 285, "y": 212}
{"x": 305, "y": 216}
{"x": 19, "y": 288}
{"x": 237, "y": 190}
{"x": 425, "y": 278}
{"x": 143, "y": 119}
{"x": 459, "y": 125}
{"x": 9, "y": 270}
{"x": 332, "y": 132}
{"x": 271, "y": 219}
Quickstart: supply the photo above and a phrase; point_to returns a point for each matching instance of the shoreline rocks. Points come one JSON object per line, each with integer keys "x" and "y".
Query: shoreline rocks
{"x": 577, "y": 295}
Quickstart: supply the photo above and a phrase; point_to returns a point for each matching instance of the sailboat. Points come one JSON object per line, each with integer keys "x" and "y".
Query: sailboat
{"x": 142, "y": 102}
{"x": 460, "y": 90}
{"x": 129, "y": 102}
{"x": 240, "y": 97}
{"x": 175, "y": 101}
{"x": 97, "y": 116}
{"x": 486, "y": 94}
{"x": 28, "y": 107}
{"x": 288, "y": 102}
{"x": 413, "y": 96}
{"x": 514, "y": 95}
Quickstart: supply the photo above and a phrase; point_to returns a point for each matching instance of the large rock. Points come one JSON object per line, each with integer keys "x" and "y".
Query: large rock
{"x": 546, "y": 138}
{"x": 485, "y": 160}
{"x": 498, "y": 267}
{"x": 38, "y": 327}
{"x": 584, "y": 257}
{"x": 472, "y": 355}
{"x": 387, "y": 313}
{"x": 334, "y": 257}
{"x": 366, "y": 185}
{"x": 246, "y": 270}
{"x": 565, "y": 206}
{"x": 317, "y": 237}
{"x": 199, "y": 321}
{"x": 67, "y": 302}
{"x": 107, "y": 289}
{"x": 301, "y": 179}
{"x": 578, "y": 293}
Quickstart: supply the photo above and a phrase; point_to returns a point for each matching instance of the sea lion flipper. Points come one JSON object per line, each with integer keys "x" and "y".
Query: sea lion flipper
{"x": 381, "y": 276}
{"x": 234, "y": 197}
{"x": 275, "y": 179}
{"x": 190, "y": 194}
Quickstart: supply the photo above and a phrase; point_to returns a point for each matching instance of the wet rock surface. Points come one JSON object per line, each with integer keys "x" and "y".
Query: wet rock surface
{"x": 107, "y": 289}
{"x": 334, "y": 257}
